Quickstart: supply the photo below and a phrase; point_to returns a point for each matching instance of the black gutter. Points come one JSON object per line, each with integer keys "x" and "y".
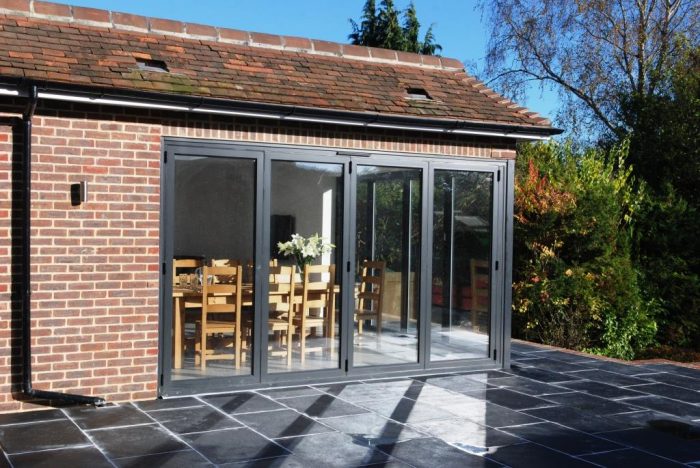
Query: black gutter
{"x": 195, "y": 102}
{"x": 27, "y": 388}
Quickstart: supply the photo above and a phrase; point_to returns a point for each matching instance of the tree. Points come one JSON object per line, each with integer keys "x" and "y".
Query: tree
{"x": 593, "y": 52}
{"x": 382, "y": 28}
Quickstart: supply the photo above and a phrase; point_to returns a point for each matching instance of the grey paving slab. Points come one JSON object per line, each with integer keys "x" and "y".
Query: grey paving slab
{"x": 135, "y": 441}
{"x": 555, "y": 365}
{"x": 674, "y": 379}
{"x": 489, "y": 414}
{"x": 44, "y": 435}
{"x": 591, "y": 403}
{"x": 333, "y": 449}
{"x": 458, "y": 383}
{"x": 666, "y": 405}
{"x": 167, "y": 403}
{"x": 528, "y": 386}
{"x": 568, "y": 357}
{"x": 533, "y": 455}
{"x": 467, "y": 435}
{"x": 372, "y": 428}
{"x": 323, "y": 406}
{"x": 510, "y": 399}
{"x": 110, "y": 416}
{"x": 282, "y": 423}
{"x": 657, "y": 442}
{"x": 290, "y": 392}
{"x": 31, "y": 416}
{"x": 179, "y": 459}
{"x": 643, "y": 418}
{"x": 675, "y": 369}
{"x": 193, "y": 419}
{"x": 435, "y": 452}
{"x": 602, "y": 389}
{"x": 68, "y": 457}
{"x": 242, "y": 402}
{"x": 405, "y": 410}
{"x": 577, "y": 419}
{"x": 632, "y": 458}
{"x": 542, "y": 375}
{"x": 669, "y": 391}
{"x": 612, "y": 378}
{"x": 561, "y": 438}
{"x": 233, "y": 445}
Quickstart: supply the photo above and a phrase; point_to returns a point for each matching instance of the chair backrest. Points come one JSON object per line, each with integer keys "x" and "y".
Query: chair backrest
{"x": 480, "y": 275}
{"x": 318, "y": 290}
{"x": 281, "y": 288}
{"x": 222, "y": 290}
{"x": 188, "y": 264}
{"x": 371, "y": 286}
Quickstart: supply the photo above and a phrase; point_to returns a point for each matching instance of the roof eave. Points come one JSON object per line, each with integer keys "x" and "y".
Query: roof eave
{"x": 204, "y": 105}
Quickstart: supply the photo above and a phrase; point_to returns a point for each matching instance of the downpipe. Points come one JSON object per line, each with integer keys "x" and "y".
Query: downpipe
{"x": 27, "y": 388}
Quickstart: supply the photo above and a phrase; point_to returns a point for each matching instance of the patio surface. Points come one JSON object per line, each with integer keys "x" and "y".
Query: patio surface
{"x": 552, "y": 409}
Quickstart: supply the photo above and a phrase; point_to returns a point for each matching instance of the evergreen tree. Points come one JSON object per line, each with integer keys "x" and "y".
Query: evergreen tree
{"x": 381, "y": 27}
{"x": 391, "y": 34}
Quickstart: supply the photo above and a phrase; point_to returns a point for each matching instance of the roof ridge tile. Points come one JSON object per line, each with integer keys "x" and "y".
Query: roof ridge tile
{"x": 129, "y": 22}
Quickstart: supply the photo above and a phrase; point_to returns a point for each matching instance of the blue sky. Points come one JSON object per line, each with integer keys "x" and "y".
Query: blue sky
{"x": 459, "y": 27}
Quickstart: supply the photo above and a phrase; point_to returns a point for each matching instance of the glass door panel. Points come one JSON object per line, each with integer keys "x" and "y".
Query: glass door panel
{"x": 461, "y": 283}
{"x": 213, "y": 245}
{"x": 387, "y": 270}
{"x": 304, "y": 313}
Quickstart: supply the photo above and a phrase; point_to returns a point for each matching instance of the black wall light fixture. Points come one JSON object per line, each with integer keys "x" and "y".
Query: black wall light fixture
{"x": 79, "y": 193}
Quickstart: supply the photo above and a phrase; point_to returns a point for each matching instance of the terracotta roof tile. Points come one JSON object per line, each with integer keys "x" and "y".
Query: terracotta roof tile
{"x": 229, "y": 64}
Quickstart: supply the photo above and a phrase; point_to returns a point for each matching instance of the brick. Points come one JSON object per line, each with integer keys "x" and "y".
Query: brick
{"x": 293, "y": 42}
{"x": 355, "y": 51}
{"x": 451, "y": 63}
{"x": 52, "y": 9}
{"x": 91, "y": 14}
{"x": 201, "y": 30}
{"x": 383, "y": 54}
{"x": 166, "y": 25}
{"x": 16, "y": 5}
{"x": 325, "y": 46}
{"x": 269, "y": 39}
{"x": 129, "y": 20}
{"x": 233, "y": 35}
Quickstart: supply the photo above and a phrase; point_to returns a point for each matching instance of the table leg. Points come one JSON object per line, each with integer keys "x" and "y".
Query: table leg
{"x": 178, "y": 326}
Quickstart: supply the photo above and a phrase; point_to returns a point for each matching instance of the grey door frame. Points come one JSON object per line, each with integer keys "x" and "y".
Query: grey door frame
{"x": 264, "y": 155}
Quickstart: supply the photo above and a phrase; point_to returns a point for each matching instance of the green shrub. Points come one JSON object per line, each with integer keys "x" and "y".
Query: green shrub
{"x": 574, "y": 282}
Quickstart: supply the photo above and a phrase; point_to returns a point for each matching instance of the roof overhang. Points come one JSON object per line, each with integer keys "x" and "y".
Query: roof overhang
{"x": 211, "y": 106}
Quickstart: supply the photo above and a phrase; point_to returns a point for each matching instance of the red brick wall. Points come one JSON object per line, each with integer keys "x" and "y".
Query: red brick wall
{"x": 95, "y": 267}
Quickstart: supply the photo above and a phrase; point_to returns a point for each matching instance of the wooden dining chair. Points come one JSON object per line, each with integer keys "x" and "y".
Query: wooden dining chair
{"x": 222, "y": 298}
{"x": 481, "y": 295}
{"x": 369, "y": 296}
{"x": 280, "y": 315}
{"x": 315, "y": 306}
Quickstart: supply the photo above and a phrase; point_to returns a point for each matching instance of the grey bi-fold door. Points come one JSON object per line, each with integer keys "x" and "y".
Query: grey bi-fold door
{"x": 413, "y": 279}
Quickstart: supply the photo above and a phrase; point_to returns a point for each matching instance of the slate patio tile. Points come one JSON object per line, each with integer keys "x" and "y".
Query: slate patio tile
{"x": 643, "y": 418}
{"x": 542, "y": 375}
{"x": 136, "y": 440}
{"x": 619, "y": 368}
{"x": 485, "y": 376}
{"x": 666, "y": 405}
{"x": 591, "y": 403}
{"x": 233, "y": 445}
{"x": 376, "y": 390}
{"x": 434, "y": 452}
{"x": 525, "y": 455}
{"x": 290, "y": 392}
{"x": 242, "y": 402}
{"x": 458, "y": 383}
{"x": 167, "y": 403}
{"x": 612, "y": 378}
{"x": 675, "y": 369}
{"x": 323, "y": 406}
{"x": 284, "y": 461}
{"x": 554, "y": 365}
{"x": 577, "y": 419}
{"x": 488, "y": 414}
{"x": 510, "y": 399}
{"x": 669, "y": 391}
{"x": 524, "y": 348}
{"x": 674, "y": 379}
{"x": 42, "y": 435}
{"x": 630, "y": 457}
{"x": 282, "y": 423}
{"x": 109, "y": 416}
{"x": 657, "y": 442}
{"x": 569, "y": 357}
{"x": 68, "y": 457}
{"x": 372, "y": 429}
{"x": 562, "y": 439}
{"x": 467, "y": 435}
{"x": 193, "y": 419}
{"x": 602, "y": 389}
{"x": 405, "y": 410}
{"x": 332, "y": 449}
{"x": 31, "y": 416}
{"x": 181, "y": 459}
{"x": 527, "y": 386}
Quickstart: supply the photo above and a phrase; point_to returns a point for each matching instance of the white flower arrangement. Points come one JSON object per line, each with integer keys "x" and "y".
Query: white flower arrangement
{"x": 304, "y": 250}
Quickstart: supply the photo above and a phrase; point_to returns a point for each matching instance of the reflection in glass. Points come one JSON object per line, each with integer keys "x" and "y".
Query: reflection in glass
{"x": 461, "y": 293}
{"x": 304, "y": 305}
{"x": 388, "y": 265}
{"x": 213, "y": 245}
